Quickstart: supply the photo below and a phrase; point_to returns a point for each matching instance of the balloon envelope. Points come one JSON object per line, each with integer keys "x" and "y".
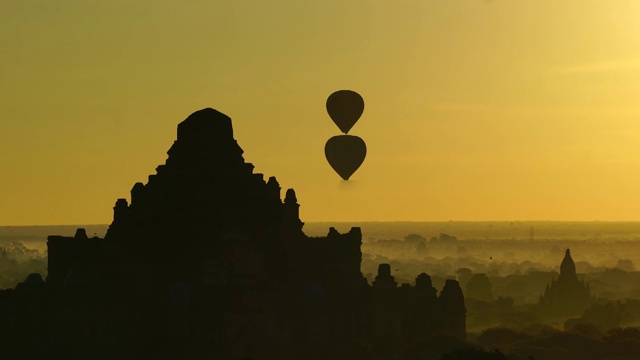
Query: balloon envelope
{"x": 345, "y": 154}
{"x": 345, "y": 108}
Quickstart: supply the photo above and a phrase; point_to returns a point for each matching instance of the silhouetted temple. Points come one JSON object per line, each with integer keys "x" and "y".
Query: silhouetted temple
{"x": 207, "y": 259}
{"x": 567, "y": 295}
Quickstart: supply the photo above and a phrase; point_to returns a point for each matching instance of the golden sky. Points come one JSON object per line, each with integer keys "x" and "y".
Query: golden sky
{"x": 474, "y": 110}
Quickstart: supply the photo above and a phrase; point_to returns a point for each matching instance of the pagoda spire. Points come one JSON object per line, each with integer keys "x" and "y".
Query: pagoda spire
{"x": 568, "y": 268}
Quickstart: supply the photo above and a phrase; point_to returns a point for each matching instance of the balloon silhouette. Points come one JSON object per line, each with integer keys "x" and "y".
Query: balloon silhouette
{"x": 345, "y": 154}
{"x": 345, "y": 108}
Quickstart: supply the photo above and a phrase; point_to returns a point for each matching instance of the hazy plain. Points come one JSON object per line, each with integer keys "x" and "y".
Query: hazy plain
{"x": 441, "y": 249}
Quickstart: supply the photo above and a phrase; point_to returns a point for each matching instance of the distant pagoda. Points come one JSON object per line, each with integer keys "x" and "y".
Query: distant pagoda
{"x": 566, "y": 296}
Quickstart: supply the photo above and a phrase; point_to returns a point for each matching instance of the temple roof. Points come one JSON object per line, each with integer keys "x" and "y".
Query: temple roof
{"x": 205, "y": 124}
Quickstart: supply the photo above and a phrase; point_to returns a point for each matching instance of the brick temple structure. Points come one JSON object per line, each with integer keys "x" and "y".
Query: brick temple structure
{"x": 207, "y": 258}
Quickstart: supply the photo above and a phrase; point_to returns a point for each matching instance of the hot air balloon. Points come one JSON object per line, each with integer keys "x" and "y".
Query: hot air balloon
{"x": 345, "y": 108}
{"x": 345, "y": 154}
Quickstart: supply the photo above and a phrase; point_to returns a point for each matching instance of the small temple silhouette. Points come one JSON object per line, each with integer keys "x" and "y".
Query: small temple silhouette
{"x": 566, "y": 296}
{"x": 207, "y": 258}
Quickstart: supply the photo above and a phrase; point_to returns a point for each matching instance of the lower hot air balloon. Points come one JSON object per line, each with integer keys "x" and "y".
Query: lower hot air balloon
{"x": 345, "y": 154}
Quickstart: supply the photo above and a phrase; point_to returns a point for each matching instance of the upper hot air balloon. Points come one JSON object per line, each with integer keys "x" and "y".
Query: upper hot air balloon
{"x": 345, "y": 108}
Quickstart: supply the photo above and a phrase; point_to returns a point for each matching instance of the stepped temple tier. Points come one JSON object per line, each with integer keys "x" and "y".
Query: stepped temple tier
{"x": 206, "y": 259}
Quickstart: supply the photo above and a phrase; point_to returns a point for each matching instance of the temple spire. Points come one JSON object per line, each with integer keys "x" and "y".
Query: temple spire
{"x": 568, "y": 267}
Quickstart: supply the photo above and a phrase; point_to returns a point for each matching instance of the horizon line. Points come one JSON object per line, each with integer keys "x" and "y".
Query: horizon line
{"x": 374, "y": 221}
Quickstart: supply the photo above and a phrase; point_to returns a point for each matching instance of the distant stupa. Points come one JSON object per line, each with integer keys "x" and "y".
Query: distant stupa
{"x": 566, "y": 296}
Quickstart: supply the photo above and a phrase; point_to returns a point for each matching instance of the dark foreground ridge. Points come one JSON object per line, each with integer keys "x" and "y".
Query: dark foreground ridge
{"x": 208, "y": 261}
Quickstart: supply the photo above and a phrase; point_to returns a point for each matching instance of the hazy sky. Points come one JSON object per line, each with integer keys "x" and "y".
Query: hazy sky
{"x": 474, "y": 110}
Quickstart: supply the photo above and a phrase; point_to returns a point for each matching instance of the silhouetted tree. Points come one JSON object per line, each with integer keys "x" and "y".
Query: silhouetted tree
{"x": 479, "y": 287}
{"x": 498, "y": 337}
{"x": 421, "y": 248}
{"x": 622, "y": 334}
{"x": 586, "y": 329}
{"x": 504, "y": 303}
{"x": 475, "y": 353}
{"x": 414, "y": 238}
{"x": 626, "y": 265}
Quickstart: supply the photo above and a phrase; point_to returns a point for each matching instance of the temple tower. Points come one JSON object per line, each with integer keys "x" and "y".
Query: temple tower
{"x": 453, "y": 310}
{"x": 568, "y": 268}
{"x": 566, "y": 296}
